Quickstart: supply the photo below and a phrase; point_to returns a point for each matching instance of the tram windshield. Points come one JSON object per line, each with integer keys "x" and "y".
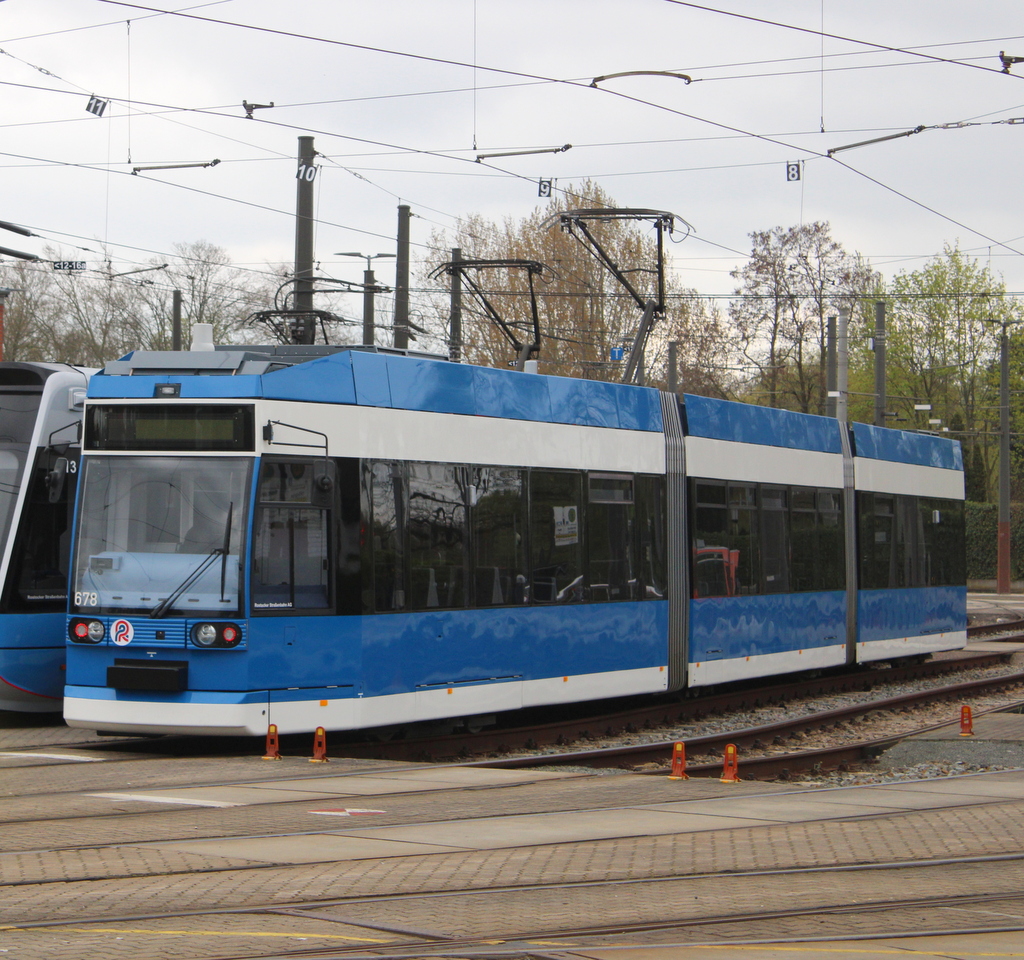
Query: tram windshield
{"x": 161, "y": 536}
{"x": 17, "y": 420}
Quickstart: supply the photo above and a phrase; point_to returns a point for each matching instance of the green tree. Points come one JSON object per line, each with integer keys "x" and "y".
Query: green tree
{"x": 943, "y": 326}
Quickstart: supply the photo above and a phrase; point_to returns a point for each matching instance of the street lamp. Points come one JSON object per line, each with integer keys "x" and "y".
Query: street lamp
{"x": 366, "y": 256}
{"x": 369, "y": 287}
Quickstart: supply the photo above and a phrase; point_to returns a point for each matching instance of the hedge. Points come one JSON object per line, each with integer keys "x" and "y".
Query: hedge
{"x": 981, "y": 522}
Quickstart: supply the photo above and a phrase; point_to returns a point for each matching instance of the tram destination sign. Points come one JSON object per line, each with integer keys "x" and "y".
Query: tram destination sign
{"x": 68, "y": 264}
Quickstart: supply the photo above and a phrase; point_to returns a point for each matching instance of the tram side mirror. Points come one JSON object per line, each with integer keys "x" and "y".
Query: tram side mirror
{"x": 323, "y": 483}
{"x": 55, "y": 479}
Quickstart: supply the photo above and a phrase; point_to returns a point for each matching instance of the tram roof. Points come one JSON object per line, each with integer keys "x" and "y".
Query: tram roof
{"x": 384, "y": 377}
{"x": 379, "y": 378}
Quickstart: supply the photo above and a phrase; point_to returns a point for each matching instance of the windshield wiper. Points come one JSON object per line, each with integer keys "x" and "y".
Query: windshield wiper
{"x": 225, "y": 549}
{"x": 164, "y": 605}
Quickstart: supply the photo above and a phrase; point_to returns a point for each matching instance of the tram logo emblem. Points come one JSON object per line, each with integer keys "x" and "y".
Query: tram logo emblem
{"x": 122, "y": 632}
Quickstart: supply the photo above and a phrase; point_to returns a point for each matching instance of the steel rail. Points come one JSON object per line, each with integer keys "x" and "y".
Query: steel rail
{"x": 525, "y": 945}
{"x": 769, "y": 766}
{"x": 665, "y": 712}
{"x": 308, "y": 908}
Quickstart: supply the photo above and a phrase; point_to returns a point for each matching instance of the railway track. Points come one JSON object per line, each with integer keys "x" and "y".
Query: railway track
{"x": 646, "y": 715}
{"x": 643, "y": 714}
{"x": 677, "y": 904}
{"x": 770, "y": 765}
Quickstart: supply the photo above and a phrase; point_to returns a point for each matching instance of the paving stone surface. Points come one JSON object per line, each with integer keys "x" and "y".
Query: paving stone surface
{"x": 86, "y": 875}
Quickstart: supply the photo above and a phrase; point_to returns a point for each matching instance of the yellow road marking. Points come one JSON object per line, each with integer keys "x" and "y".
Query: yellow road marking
{"x": 818, "y": 951}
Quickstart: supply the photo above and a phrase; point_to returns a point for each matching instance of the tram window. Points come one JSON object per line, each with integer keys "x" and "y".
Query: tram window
{"x": 775, "y": 554}
{"x": 713, "y": 569}
{"x": 611, "y": 566}
{"x": 386, "y": 482}
{"x": 880, "y": 541}
{"x": 804, "y": 537}
{"x": 792, "y": 535}
{"x": 942, "y": 542}
{"x": 910, "y": 541}
{"x": 817, "y": 540}
{"x": 651, "y": 515}
{"x": 831, "y": 566}
{"x": 286, "y": 482}
{"x": 610, "y": 488}
{"x": 40, "y": 559}
{"x": 437, "y": 536}
{"x": 291, "y": 543}
{"x": 347, "y": 535}
{"x": 555, "y": 537}
{"x": 743, "y": 537}
{"x": 498, "y": 510}
{"x": 290, "y": 559}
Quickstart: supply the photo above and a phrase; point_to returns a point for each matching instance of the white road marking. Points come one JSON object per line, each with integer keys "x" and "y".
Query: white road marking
{"x": 51, "y": 756}
{"x": 350, "y": 812}
{"x": 162, "y": 799}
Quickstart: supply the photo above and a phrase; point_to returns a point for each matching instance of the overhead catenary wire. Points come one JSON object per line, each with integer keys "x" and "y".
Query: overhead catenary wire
{"x": 506, "y": 173}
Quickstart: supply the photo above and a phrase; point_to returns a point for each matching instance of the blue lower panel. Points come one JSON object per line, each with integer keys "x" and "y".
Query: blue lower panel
{"x": 32, "y": 649}
{"x": 911, "y": 612}
{"x": 32, "y": 672}
{"x": 417, "y": 651}
{"x": 723, "y": 628}
{"x": 336, "y": 657}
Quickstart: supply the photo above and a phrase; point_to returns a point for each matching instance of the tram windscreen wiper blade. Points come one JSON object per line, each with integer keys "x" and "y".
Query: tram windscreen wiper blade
{"x": 164, "y": 605}
{"x": 225, "y": 549}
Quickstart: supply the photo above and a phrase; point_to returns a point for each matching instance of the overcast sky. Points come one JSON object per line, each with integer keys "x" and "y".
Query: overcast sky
{"x": 401, "y": 96}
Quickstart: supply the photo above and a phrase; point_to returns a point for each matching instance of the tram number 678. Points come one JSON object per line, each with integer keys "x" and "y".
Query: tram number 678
{"x": 86, "y": 599}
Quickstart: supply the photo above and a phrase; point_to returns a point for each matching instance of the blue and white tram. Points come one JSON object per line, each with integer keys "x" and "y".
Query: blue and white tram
{"x": 40, "y": 416}
{"x": 353, "y": 539}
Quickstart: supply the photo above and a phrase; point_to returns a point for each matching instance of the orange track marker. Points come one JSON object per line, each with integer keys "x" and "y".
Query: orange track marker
{"x": 319, "y": 747}
{"x": 966, "y": 722}
{"x": 273, "y": 753}
{"x": 679, "y": 763}
{"x": 730, "y": 769}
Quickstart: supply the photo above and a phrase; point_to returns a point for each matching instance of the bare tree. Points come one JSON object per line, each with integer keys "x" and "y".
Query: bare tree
{"x": 584, "y": 312}
{"x": 795, "y": 278}
{"x": 31, "y": 311}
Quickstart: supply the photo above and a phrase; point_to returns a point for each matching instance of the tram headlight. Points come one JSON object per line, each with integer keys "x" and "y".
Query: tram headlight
{"x": 204, "y": 635}
{"x": 216, "y": 635}
{"x": 86, "y": 631}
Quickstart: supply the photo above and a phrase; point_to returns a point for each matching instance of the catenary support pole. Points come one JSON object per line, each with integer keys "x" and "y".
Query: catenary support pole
{"x": 303, "y": 300}
{"x": 830, "y": 368}
{"x": 455, "y": 331}
{"x": 842, "y": 363}
{"x": 176, "y": 321}
{"x": 368, "y": 319}
{"x": 402, "y": 280}
{"x": 1003, "y": 538}
{"x": 880, "y": 398}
